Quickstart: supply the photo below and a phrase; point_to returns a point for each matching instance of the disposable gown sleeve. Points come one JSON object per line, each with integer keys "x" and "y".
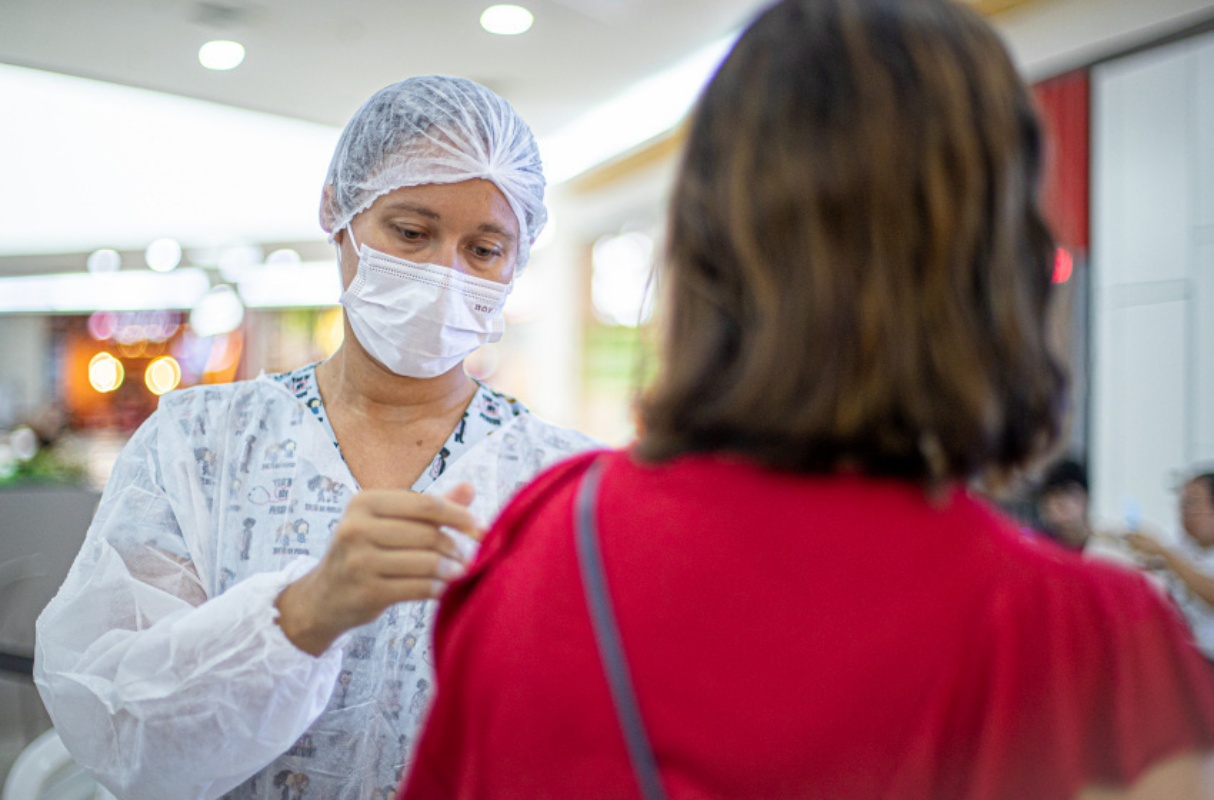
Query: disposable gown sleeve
{"x": 157, "y": 689}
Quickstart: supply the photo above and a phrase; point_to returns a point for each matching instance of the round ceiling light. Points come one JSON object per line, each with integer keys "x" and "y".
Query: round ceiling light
{"x": 163, "y": 255}
{"x": 506, "y": 20}
{"x": 104, "y": 260}
{"x": 221, "y": 54}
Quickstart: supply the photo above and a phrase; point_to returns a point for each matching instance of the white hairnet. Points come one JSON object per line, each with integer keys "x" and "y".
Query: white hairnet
{"x": 436, "y": 129}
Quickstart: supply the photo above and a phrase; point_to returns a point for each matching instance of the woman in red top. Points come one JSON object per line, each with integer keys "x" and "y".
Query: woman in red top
{"x": 784, "y": 588}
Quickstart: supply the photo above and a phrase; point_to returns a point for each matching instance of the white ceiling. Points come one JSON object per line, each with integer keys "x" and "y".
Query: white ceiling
{"x": 313, "y": 61}
{"x": 317, "y": 60}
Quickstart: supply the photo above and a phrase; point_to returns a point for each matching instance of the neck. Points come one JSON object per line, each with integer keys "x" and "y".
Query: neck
{"x": 354, "y": 381}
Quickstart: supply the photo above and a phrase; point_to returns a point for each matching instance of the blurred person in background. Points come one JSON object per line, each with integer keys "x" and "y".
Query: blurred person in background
{"x": 253, "y": 535}
{"x": 784, "y": 588}
{"x": 1190, "y": 563}
{"x": 1062, "y": 504}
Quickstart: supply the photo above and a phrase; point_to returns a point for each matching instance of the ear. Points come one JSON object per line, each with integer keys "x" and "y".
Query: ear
{"x": 328, "y": 215}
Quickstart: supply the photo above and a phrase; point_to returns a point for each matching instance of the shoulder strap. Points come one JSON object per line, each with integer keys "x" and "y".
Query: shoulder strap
{"x": 611, "y": 649}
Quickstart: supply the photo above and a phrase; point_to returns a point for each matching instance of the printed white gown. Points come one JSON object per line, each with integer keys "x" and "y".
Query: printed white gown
{"x": 1197, "y": 612}
{"x": 159, "y": 659}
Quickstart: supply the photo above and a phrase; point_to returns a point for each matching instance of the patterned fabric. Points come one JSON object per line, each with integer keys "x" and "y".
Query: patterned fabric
{"x": 160, "y": 660}
{"x": 484, "y": 415}
{"x": 1197, "y": 612}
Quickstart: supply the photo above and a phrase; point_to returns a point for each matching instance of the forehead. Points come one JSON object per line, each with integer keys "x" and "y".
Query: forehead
{"x": 473, "y": 202}
{"x": 1198, "y": 490}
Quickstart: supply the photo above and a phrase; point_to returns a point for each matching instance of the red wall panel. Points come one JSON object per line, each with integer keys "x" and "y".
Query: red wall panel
{"x": 1064, "y": 108}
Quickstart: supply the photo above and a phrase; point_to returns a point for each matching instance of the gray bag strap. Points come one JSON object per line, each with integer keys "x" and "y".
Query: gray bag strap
{"x": 611, "y": 649}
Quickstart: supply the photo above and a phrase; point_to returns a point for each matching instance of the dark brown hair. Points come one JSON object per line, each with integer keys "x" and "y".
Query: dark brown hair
{"x": 857, "y": 268}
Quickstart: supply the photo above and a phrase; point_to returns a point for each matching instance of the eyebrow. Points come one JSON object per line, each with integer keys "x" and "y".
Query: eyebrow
{"x": 429, "y": 213}
{"x": 421, "y": 211}
{"x": 498, "y": 229}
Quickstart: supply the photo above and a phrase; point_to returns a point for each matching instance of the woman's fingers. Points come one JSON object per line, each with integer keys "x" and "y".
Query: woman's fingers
{"x": 391, "y": 564}
{"x": 463, "y": 494}
{"x": 406, "y": 505}
{"x": 388, "y": 535}
{"x": 405, "y": 590}
{"x": 391, "y": 546}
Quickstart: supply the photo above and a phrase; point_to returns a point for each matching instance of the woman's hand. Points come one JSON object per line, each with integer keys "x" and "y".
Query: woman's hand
{"x": 1145, "y": 545}
{"x": 388, "y": 548}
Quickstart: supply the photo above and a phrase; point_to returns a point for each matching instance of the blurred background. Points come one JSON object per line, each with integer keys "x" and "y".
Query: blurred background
{"x": 161, "y": 165}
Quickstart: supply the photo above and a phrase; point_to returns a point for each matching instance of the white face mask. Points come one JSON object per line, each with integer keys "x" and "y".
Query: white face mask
{"x": 420, "y": 320}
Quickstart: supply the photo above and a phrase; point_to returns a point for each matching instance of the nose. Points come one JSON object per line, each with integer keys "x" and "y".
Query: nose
{"x": 448, "y": 253}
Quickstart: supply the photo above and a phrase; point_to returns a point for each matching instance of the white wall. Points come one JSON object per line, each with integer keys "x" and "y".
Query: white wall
{"x": 24, "y": 344}
{"x": 1153, "y": 270}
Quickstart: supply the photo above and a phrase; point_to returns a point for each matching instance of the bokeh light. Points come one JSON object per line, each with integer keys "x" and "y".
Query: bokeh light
{"x": 163, "y": 255}
{"x": 238, "y": 261}
{"x": 329, "y": 331}
{"x": 162, "y": 375}
{"x": 106, "y": 373}
{"x": 24, "y": 443}
{"x": 221, "y": 54}
{"x": 103, "y": 261}
{"x": 1064, "y": 265}
{"x": 218, "y": 312}
{"x": 283, "y": 257}
{"x": 102, "y": 325}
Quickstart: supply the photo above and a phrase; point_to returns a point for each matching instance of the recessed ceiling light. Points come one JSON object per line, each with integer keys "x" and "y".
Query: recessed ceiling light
{"x": 221, "y": 54}
{"x": 506, "y": 20}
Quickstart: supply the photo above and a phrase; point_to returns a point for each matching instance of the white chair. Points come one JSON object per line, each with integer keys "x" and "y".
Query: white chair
{"x": 46, "y": 771}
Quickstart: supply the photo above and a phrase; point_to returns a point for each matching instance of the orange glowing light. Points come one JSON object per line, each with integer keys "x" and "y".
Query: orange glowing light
{"x": 106, "y": 373}
{"x": 162, "y": 375}
{"x": 224, "y": 359}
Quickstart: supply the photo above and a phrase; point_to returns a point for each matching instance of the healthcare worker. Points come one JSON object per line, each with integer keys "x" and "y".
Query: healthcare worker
{"x": 250, "y": 612}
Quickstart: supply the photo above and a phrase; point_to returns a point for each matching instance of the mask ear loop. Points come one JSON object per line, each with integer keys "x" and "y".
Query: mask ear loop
{"x": 349, "y": 229}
